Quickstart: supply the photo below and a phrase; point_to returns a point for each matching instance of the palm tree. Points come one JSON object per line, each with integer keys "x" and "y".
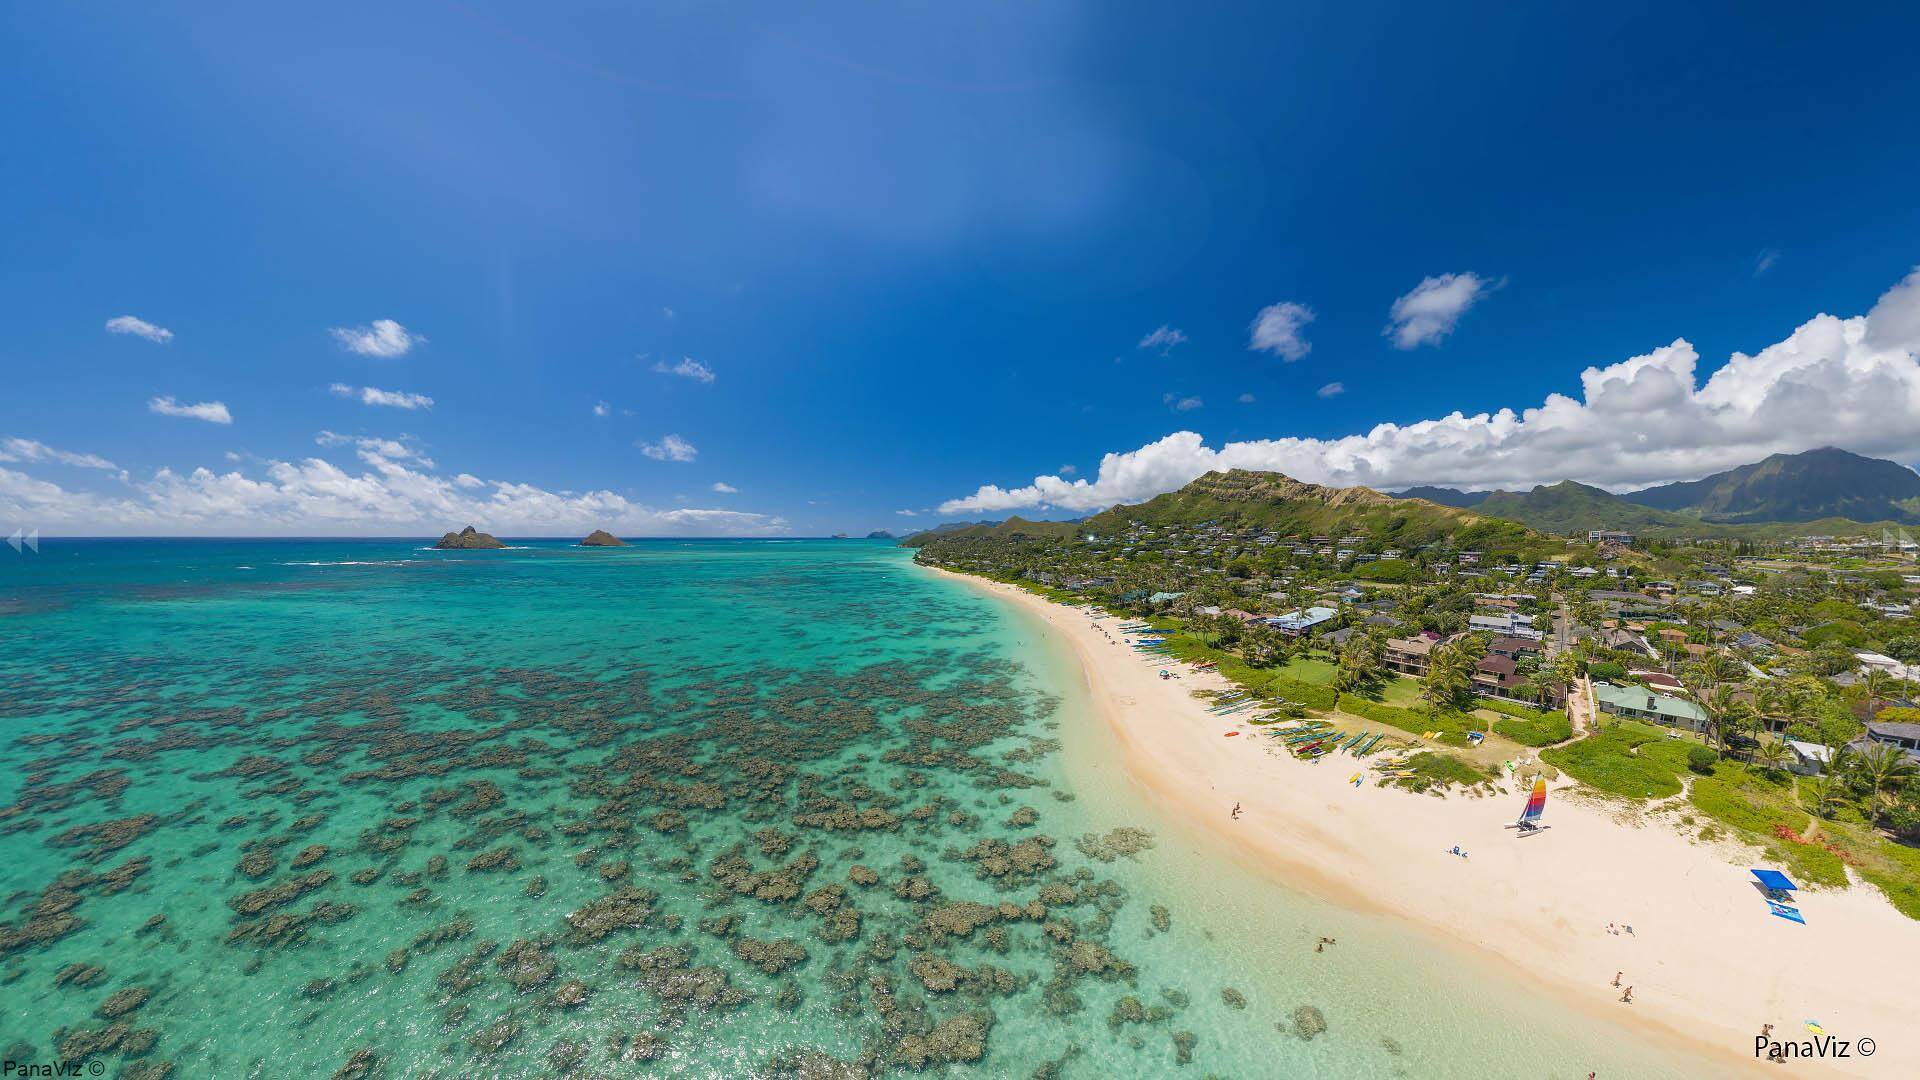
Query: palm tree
{"x": 1714, "y": 669}
{"x": 1885, "y": 768}
{"x": 1878, "y": 683}
{"x": 1827, "y": 789}
{"x": 1360, "y": 661}
{"x": 1725, "y": 714}
{"x": 1449, "y": 678}
{"x": 1770, "y": 755}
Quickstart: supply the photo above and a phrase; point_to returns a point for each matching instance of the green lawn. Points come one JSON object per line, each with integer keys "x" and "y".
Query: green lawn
{"x": 1401, "y": 690}
{"x": 1308, "y": 670}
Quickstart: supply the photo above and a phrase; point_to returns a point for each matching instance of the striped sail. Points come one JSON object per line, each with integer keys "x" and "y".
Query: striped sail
{"x": 1536, "y": 802}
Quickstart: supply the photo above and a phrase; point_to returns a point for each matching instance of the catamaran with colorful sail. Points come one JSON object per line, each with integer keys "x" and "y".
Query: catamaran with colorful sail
{"x": 1530, "y": 814}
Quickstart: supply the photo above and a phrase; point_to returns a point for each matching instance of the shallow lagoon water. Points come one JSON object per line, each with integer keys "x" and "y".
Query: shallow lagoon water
{"x": 700, "y": 808}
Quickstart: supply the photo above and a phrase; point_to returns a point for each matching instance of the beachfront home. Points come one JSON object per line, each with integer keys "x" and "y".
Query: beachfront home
{"x": 1807, "y": 759}
{"x": 1408, "y": 656}
{"x": 1601, "y": 536}
{"x": 1643, "y": 704}
{"x": 1301, "y": 623}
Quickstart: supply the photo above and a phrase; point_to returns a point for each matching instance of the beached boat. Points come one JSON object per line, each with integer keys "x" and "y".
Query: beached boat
{"x": 1535, "y": 808}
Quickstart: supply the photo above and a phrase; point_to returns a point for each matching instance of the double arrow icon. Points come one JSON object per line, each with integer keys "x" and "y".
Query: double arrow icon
{"x": 31, "y": 541}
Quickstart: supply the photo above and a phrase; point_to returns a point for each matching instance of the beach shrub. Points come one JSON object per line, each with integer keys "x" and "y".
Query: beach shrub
{"x": 1543, "y": 729}
{"x": 1433, "y": 769}
{"x": 1304, "y": 693}
{"x": 1511, "y": 708}
{"x": 1759, "y": 810}
{"x": 1701, "y": 759}
{"x": 1626, "y": 758}
{"x": 1896, "y": 870}
{"x": 1392, "y": 715}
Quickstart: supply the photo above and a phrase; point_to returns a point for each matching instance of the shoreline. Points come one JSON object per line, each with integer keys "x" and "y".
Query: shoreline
{"x": 1707, "y": 962}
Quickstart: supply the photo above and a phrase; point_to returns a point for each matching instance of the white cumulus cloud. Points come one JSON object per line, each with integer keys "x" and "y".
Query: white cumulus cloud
{"x": 313, "y": 497}
{"x": 1433, "y": 308}
{"x": 602, "y": 409}
{"x": 373, "y": 395}
{"x": 1279, "y": 329}
{"x": 213, "y": 412}
{"x": 372, "y": 449}
{"x": 1164, "y": 339}
{"x": 1849, "y": 382}
{"x": 721, "y": 487}
{"x": 687, "y": 368}
{"x": 381, "y": 338}
{"x": 34, "y": 451}
{"x": 138, "y": 327}
{"x": 1332, "y": 389}
{"x": 669, "y": 448}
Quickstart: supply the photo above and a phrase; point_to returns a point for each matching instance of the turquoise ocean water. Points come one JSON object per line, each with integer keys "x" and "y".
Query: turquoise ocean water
{"x": 688, "y": 808}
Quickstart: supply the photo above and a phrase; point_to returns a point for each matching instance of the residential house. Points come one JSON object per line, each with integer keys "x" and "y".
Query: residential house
{"x": 1497, "y": 676}
{"x": 1904, "y": 736}
{"x": 1300, "y": 623}
{"x": 1807, "y": 759}
{"x": 1643, "y": 704}
{"x": 1506, "y": 624}
{"x": 1408, "y": 656}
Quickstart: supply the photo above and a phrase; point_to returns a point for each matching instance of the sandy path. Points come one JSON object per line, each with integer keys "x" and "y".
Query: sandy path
{"x": 1707, "y": 963}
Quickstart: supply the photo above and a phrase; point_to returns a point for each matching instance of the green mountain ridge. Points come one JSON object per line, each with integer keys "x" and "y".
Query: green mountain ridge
{"x": 1823, "y": 483}
{"x": 1811, "y": 493}
{"x": 1278, "y": 503}
{"x": 1446, "y": 496}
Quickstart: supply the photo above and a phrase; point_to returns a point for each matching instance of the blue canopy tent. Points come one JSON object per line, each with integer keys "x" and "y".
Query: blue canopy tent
{"x": 1778, "y": 889}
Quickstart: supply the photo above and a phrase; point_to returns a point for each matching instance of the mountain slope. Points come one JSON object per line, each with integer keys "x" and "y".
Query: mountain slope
{"x": 1445, "y": 496}
{"x": 1287, "y": 506}
{"x": 1796, "y": 487}
{"x": 1014, "y": 528}
{"x": 1570, "y": 508}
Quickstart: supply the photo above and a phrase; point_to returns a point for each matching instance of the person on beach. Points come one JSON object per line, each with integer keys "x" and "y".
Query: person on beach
{"x": 1236, "y": 811}
{"x": 1616, "y": 979}
{"x": 1628, "y": 996}
{"x": 1324, "y": 942}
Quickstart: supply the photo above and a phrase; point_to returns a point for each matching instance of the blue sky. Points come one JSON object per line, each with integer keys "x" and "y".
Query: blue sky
{"x": 904, "y": 256}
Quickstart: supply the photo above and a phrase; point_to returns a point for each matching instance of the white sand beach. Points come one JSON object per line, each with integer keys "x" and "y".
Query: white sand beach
{"x": 1707, "y": 963}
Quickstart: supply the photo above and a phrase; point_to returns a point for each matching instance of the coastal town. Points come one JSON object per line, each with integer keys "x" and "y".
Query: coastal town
{"x": 1768, "y": 689}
